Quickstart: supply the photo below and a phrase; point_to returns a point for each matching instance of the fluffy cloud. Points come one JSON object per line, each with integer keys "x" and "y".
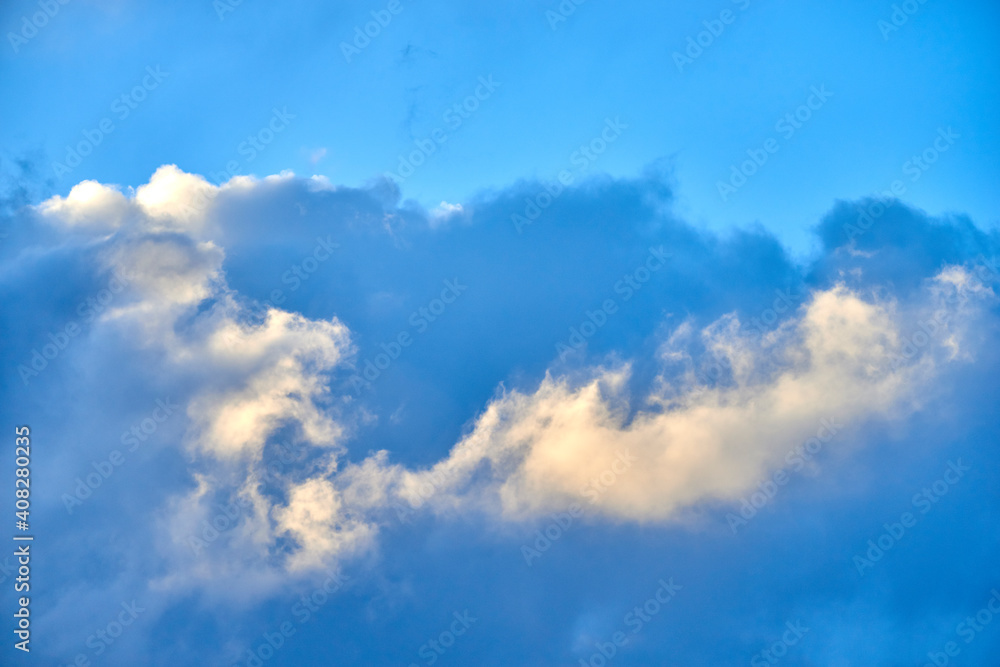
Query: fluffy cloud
{"x": 257, "y": 371}
{"x": 840, "y": 361}
{"x": 316, "y": 517}
{"x": 88, "y": 205}
{"x": 260, "y": 377}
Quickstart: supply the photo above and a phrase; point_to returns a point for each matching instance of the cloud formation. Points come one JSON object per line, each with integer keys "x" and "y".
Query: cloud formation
{"x": 276, "y": 468}
{"x": 259, "y": 376}
{"x": 840, "y": 360}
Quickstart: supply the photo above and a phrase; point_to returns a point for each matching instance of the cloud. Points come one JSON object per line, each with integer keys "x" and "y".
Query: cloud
{"x": 683, "y": 394}
{"x": 172, "y": 201}
{"x": 839, "y": 361}
{"x": 175, "y": 199}
{"x": 316, "y": 154}
{"x": 443, "y": 213}
{"x": 88, "y": 204}
{"x": 252, "y": 373}
{"x": 315, "y": 516}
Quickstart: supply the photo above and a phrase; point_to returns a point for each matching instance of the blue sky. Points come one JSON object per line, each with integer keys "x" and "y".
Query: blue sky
{"x": 536, "y": 334}
{"x": 891, "y": 92}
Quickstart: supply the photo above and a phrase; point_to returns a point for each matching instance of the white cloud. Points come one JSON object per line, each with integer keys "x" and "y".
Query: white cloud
{"x": 255, "y": 375}
{"x": 841, "y": 358}
{"x": 90, "y": 206}
{"x": 282, "y": 363}
{"x": 443, "y": 213}
{"x": 321, "y": 525}
{"x": 174, "y": 200}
